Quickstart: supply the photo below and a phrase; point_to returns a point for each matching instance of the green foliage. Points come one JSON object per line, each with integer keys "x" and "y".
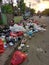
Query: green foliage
{"x": 18, "y": 19}
{"x": 22, "y": 6}
{"x": 0, "y": 0}
{"x": 32, "y": 11}
{"x": 7, "y": 8}
{"x": 46, "y": 12}
{"x": 1, "y": 22}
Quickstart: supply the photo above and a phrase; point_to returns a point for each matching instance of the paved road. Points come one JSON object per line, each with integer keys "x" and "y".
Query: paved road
{"x": 38, "y": 53}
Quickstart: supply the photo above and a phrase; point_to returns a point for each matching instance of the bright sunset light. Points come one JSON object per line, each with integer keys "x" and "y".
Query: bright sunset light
{"x": 42, "y": 7}
{"x": 38, "y": 5}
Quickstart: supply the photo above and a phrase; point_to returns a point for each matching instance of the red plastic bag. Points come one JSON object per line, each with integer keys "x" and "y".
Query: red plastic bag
{"x": 13, "y": 34}
{"x": 1, "y": 46}
{"x": 18, "y": 58}
{"x": 20, "y": 33}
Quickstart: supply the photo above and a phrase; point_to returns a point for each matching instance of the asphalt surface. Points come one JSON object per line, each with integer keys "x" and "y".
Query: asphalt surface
{"x": 38, "y": 53}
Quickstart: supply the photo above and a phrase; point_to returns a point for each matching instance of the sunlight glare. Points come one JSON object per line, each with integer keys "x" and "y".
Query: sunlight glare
{"x": 42, "y": 7}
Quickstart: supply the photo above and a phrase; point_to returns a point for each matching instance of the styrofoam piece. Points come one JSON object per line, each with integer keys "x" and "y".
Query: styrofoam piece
{"x": 11, "y": 44}
{"x": 5, "y": 46}
{"x": 19, "y": 48}
{"x": 27, "y": 46}
{"x": 22, "y": 45}
{"x": 25, "y": 35}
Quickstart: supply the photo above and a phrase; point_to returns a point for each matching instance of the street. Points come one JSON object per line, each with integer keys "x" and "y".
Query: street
{"x": 38, "y": 53}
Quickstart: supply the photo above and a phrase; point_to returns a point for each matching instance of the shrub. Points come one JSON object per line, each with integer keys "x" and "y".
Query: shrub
{"x": 7, "y": 8}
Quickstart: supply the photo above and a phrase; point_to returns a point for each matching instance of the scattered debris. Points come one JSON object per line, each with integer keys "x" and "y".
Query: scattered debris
{"x": 40, "y": 50}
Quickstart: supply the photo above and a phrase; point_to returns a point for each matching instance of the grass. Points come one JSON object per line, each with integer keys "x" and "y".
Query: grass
{"x": 18, "y": 19}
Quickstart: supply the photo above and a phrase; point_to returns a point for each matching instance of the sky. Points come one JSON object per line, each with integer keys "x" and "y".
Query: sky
{"x": 38, "y": 5}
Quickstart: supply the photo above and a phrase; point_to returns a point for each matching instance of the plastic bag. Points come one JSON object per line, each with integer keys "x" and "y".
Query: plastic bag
{"x": 18, "y": 58}
{"x": 1, "y": 46}
{"x": 17, "y": 28}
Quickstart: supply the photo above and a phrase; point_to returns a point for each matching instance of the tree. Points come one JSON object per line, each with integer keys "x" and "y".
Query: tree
{"x": 32, "y": 11}
{"x": 22, "y": 6}
{"x": 8, "y": 11}
{"x": 7, "y": 8}
{"x": 38, "y": 13}
{"x": 0, "y": 0}
{"x": 46, "y": 12}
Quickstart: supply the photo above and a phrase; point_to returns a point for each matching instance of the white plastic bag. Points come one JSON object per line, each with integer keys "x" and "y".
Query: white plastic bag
{"x": 37, "y": 27}
{"x": 17, "y": 28}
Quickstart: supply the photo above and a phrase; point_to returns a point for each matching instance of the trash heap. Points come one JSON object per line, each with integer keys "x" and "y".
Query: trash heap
{"x": 10, "y": 35}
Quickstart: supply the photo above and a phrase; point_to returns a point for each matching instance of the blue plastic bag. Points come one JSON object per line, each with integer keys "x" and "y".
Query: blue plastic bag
{"x": 30, "y": 33}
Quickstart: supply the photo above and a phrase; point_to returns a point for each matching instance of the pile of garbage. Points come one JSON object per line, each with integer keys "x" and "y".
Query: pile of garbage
{"x": 14, "y": 32}
{"x": 10, "y": 35}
